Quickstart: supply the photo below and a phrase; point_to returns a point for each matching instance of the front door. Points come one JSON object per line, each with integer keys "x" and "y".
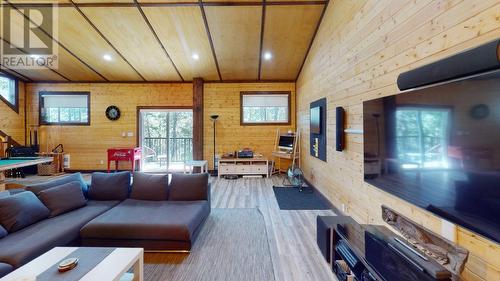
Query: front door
{"x": 166, "y": 137}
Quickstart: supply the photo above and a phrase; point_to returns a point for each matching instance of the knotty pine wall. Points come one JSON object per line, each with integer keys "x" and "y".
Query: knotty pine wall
{"x": 359, "y": 50}
{"x": 87, "y": 145}
{"x": 224, "y": 99}
{"x": 11, "y": 122}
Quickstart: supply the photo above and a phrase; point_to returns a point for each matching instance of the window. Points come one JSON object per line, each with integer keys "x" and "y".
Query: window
{"x": 64, "y": 108}
{"x": 422, "y": 137}
{"x": 263, "y": 108}
{"x": 8, "y": 91}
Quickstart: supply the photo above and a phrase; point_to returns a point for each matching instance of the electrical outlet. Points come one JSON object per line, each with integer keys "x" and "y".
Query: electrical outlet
{"x": 130, "y": 134}
{"x": 342, "y": 207}
{"x": 101, "y": 162}
{"x": 124, "y": 134}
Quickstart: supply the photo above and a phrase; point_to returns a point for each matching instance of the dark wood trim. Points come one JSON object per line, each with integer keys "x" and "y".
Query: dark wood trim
{"x": 173, "y": 4}
{"x": 289, "y": 93}
{"x": 15, "y": 106}
{"x": 312, "y": 39}
{"x": 157, "y": 38}
{"x": 158, "y": 82}
{"x": 61, "y": 93}
{"x": 59, "y": 43}
{"x": 262, "y": 24}
{"x": 22, "y": 51}
{"x": 104, "y": 37}
{"x": 138, "y": 112}
{"x": 207, "y": 29}
{"x": 198, "y": 119}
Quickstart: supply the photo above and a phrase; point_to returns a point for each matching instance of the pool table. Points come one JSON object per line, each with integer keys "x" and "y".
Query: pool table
{"x": 19, "y": 162}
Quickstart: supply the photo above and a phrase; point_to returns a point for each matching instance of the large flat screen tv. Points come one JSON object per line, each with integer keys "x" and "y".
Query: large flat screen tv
{"x": 438, "y": 147}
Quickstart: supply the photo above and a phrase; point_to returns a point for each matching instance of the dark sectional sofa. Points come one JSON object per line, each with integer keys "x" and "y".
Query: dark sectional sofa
{"x": 153, "y": 213}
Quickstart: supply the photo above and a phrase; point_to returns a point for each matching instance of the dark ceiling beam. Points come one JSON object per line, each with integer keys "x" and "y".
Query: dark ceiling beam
{"x": 262, "y": 24}
{"x": 312, "y": 40}
{"x": 207, "y": 29}
{"x": 22, "y": 51}
{"x": 176, "y": 4}
{"x": 157, "y": 38}
{"x": 59, "y": 43}
{"x": 105, "y": 39}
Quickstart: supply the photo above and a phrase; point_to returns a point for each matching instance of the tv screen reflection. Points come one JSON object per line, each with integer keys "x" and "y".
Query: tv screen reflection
{"x": 439, "y": 148}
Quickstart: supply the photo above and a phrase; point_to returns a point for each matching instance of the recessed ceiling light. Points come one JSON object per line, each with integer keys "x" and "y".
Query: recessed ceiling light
{"x": 268, "y": 56}
{"x": 107, "y": 57}
{"x": 195, "y": 56}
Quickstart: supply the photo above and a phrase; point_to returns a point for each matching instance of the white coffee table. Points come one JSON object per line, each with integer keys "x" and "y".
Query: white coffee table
{"x": 113, "y": 267}
{"x": 190, "y": 164}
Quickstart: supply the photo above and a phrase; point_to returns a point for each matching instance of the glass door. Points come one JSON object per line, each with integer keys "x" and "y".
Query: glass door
{"x": 166, "y": 137}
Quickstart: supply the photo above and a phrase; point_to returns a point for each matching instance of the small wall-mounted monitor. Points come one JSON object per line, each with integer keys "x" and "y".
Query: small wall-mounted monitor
{"x": 316, "y": 120}
{"x": 286, "y": 142}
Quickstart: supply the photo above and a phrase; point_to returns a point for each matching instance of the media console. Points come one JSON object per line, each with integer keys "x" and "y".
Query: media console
{"x": 244, "y": 166}
{"x": 372, "y": 252}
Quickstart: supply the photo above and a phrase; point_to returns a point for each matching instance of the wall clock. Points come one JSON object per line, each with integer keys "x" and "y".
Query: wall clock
{"x": 113, "y": 113}
{"x": 479, "y": 111}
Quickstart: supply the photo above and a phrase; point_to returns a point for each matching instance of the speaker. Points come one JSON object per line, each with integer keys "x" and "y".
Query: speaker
{"x": 469, "y": 62}
{"x": 340, "y": 128}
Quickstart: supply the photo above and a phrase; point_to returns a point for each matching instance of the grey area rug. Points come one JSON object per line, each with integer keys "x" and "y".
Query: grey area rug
{"x": 232, "y": 245}
{"x": 290, "y": 198}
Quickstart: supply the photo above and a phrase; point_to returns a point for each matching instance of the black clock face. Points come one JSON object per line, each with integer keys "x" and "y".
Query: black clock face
{"x": 112, "y": 112}
{"x": 479, "y": 111}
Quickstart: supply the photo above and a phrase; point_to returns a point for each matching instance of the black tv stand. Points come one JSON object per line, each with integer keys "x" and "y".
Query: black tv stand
{"x": 372, "y": 252}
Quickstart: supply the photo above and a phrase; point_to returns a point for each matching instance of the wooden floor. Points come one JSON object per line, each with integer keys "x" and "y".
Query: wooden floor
{"x": 291, "y": 234}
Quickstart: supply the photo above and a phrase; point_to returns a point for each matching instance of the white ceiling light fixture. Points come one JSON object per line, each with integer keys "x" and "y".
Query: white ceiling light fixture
{"x": 107, "y": 57}
{"x": 195, "y": 56}
{"x": 268, "y": 55}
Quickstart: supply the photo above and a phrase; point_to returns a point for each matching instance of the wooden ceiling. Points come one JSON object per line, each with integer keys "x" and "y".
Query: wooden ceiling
{"x": 157, "y": 40}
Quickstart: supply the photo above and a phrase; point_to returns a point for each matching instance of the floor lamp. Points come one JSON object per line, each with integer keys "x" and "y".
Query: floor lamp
{"x": 214, "y": 120}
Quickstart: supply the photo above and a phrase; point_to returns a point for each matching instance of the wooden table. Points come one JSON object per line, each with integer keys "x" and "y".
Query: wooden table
{"x": 113, "y": 267}
{"x": 203, "y": 164}
{"x": 19, "y": 162}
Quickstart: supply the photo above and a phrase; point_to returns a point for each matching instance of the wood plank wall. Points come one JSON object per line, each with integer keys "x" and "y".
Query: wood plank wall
{"x": 359, "y": 50}
{"x": 12, "y": 123}
{"x": 87, "y": 145}
{"x": 224, "y": 99}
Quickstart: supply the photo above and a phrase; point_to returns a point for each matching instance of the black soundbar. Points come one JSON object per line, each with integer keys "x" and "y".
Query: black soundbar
{"x": 339, "y": 137}
{"x": 469, "y": 62}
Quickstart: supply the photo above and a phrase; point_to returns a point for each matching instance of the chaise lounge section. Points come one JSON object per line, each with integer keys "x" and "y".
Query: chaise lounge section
{"x": 152, "y": 213}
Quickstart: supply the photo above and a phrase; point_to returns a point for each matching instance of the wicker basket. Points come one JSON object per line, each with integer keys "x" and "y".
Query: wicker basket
{"x": 47, "y": 169}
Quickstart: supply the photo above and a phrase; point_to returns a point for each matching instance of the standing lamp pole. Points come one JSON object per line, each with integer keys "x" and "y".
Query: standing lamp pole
{"x": 214, "y": 120}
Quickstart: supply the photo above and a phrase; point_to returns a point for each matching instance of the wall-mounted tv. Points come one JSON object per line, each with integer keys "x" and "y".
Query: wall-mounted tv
{"x": 438, "y": 147}
{"x": 316, "y": 120}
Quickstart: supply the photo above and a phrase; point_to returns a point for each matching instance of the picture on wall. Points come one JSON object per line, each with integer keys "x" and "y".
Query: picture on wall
{"x": 317, "y": 136}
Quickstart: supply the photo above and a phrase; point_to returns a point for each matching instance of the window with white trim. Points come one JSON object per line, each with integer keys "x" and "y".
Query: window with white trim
{"x": 265, "y": 108}
{"x": 64, "y": 108}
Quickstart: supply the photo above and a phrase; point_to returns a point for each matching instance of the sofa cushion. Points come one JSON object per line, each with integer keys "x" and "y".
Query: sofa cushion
{"x": 21, "y": 247}
{"x": 185, "y": 187}
{"x": 63, "y": 198}
{"x": 5, "y": 269}
{"x": 114, "y": 186}
{"x": 150, "y": 220}
{"x": 3, "y": 232}
{"x": 21, "y": 210}
{"x": 149, "y": 187}
{"x": 36, "y": 188}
